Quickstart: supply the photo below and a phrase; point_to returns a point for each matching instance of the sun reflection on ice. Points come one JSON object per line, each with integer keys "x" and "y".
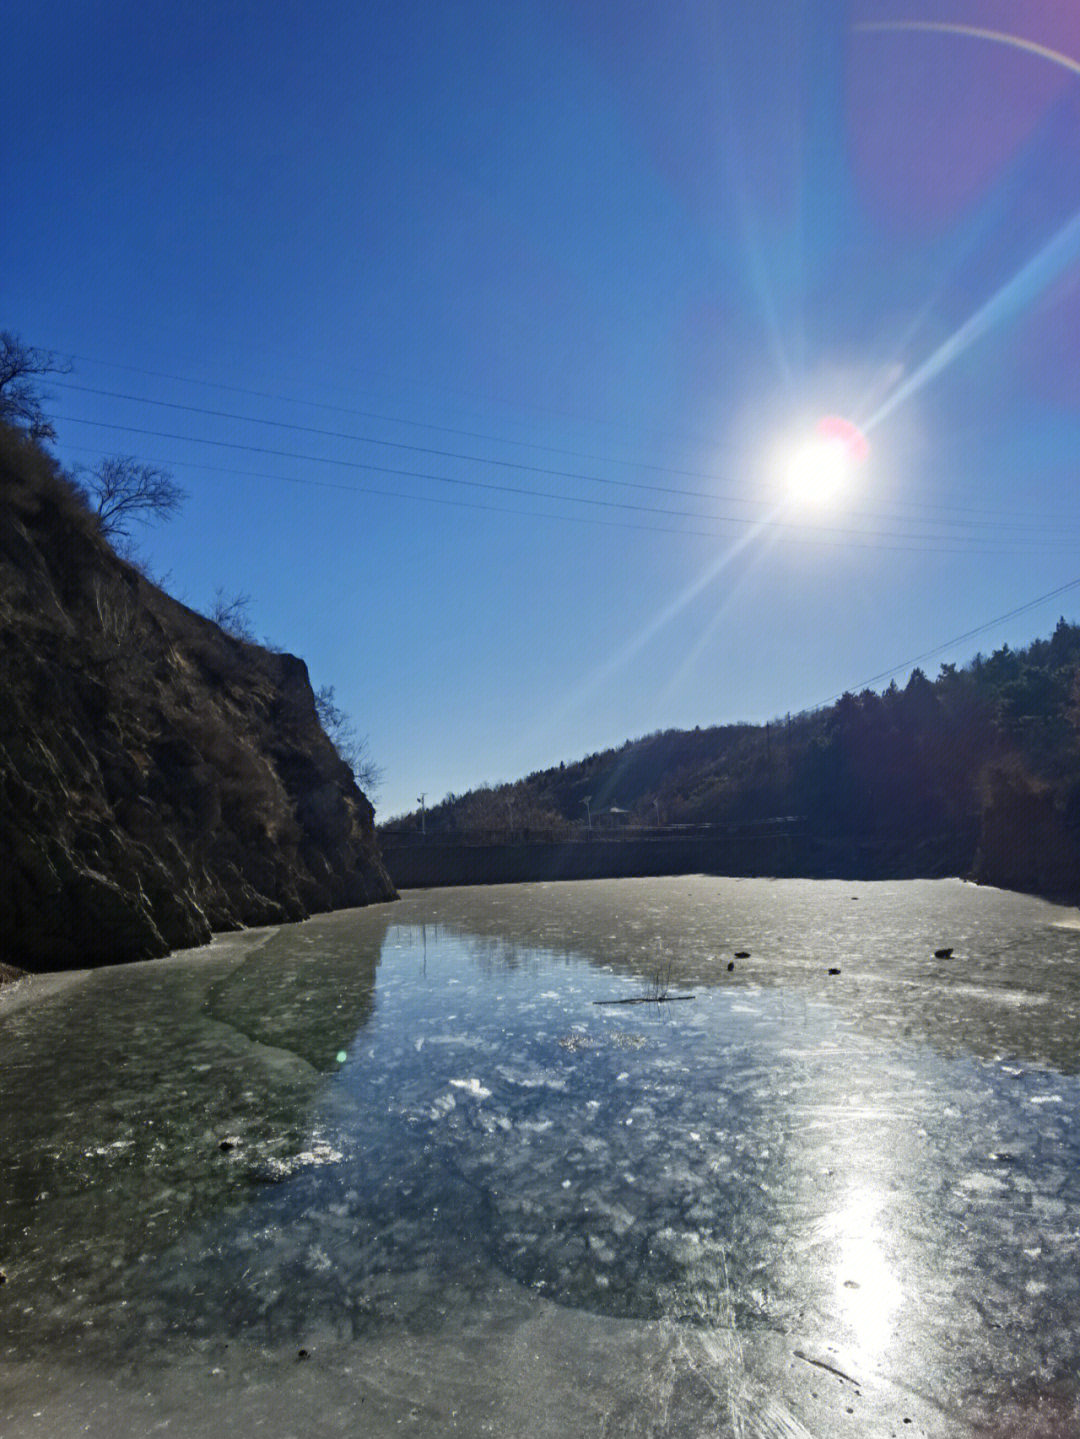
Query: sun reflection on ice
{"x": 868, "y": 1293}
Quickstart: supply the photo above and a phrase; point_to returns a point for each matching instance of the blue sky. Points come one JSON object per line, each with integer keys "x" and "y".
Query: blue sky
{"x": 477, "y": 332}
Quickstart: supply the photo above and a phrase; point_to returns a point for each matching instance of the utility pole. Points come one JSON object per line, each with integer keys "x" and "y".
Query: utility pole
{"x": 588, "y": 808}
{"x": 423, "y": 812}
{"x": 656, "y": 804}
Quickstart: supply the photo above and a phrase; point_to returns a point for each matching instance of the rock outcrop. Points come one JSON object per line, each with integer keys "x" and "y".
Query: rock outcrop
{"x": 1024, "y": 843}
{"x": 159, "y": 778}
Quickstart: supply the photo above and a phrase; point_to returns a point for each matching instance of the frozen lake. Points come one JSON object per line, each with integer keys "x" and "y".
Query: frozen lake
{"x": 398, "y": 1171}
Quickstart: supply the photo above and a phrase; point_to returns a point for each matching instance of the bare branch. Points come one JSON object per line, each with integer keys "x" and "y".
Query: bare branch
{"x": 20, "y": 397}
{"x": 352, "y": 748}
{"x": 233, "y": 614}
{"x": 121, "y": 490}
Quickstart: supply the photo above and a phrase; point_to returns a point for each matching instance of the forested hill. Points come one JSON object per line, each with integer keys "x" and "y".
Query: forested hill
{"x": 974, "y": 772}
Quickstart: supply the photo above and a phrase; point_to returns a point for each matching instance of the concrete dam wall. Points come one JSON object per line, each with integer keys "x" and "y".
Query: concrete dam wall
{"x": 423, "y": 863}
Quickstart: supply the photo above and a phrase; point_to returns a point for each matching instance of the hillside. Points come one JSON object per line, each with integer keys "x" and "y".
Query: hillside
{"x": 976, "y": 772}
{"x": 159, "y": 778}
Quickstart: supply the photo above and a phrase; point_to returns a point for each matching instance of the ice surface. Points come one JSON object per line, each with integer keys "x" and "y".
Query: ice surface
{"x": 779, "y": 1209}
{"x": 473, "y": 1087}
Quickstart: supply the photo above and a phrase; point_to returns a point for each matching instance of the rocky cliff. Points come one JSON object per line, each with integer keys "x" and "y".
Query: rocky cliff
{"x": 1024, "y": 843}
{"x": 159, "y": 779}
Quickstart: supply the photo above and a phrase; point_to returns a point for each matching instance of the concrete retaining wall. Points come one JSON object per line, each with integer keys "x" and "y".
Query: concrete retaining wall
{"x": 428, "y": 863}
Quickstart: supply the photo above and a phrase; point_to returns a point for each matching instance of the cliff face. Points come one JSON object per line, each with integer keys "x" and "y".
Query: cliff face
{"x": 159, "y": 779}
{"x": 1024, "y": 843}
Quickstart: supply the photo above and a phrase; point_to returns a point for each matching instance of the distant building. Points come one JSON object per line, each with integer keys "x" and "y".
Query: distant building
{"x": 612, "y": 818}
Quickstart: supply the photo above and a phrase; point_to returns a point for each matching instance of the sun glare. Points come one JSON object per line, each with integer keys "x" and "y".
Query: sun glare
{"x": 816, "y": 472}
{"x": 820, "y": 468}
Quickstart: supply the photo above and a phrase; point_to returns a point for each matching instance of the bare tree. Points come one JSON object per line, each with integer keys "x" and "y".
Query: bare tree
{"x": 233, "y": 614}
{"x": 122, "y": 489}
{"x": 20, "y": 396}
{"x": 353, "y": 749}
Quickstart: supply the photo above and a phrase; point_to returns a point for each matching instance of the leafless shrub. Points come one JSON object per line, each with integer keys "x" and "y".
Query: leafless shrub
{"x": 352, "y": 748}
{"x": 115, "y": 611}
{"x": 660, "y": 984}
{"x": 233, "y": 614}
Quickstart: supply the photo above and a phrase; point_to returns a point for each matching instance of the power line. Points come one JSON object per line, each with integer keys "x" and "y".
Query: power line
{"x": 575, "y": 416}
{"x": 396, "y": 419}
{"x": 795, "y": 530}
{"x": 526, "y": 444}
{"x": 393, "y": 444}
{"x": 518, "y": 465}
{"x": 428, "y": 499}
{"x": 956, "y": 639}
{"x": 501, "y": 509}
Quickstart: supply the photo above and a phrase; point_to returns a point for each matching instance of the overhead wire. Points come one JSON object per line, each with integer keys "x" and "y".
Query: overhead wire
{"x": 799, "y": 530}
{"x": 502, "y": 463}
{"x": 575, "y": 418}
{"x": 956, "y": 640}
{"x": 399, "y": 420}
{"x": 426, "y": 499}
{"x": 1000, "y": 515}
{"x": 795, "y": 530}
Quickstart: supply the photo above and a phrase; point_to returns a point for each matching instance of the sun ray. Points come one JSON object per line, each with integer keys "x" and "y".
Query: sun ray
{"x": 692, "y": 657}
{"x": 1054, "y": 257}
{"x": 735, "y": 171}
{"x": 671, "y": 611}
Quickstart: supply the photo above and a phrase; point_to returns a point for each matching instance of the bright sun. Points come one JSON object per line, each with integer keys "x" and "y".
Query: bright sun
{"x": 819, "y": 469}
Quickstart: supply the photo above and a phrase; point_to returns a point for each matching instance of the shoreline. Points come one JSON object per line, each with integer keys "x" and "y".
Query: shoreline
{"x": 26, "y": 988}
{"x": 29, "y": 986}
{"x": 21, "y": 988}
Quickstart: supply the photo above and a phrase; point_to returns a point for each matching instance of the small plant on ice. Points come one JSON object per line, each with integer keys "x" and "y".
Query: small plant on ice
{"x": 660, "y": 985}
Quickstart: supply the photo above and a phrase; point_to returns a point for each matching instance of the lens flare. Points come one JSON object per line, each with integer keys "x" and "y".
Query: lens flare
{"x": 974, "y": 32}
{"x": 835, "y": 430}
